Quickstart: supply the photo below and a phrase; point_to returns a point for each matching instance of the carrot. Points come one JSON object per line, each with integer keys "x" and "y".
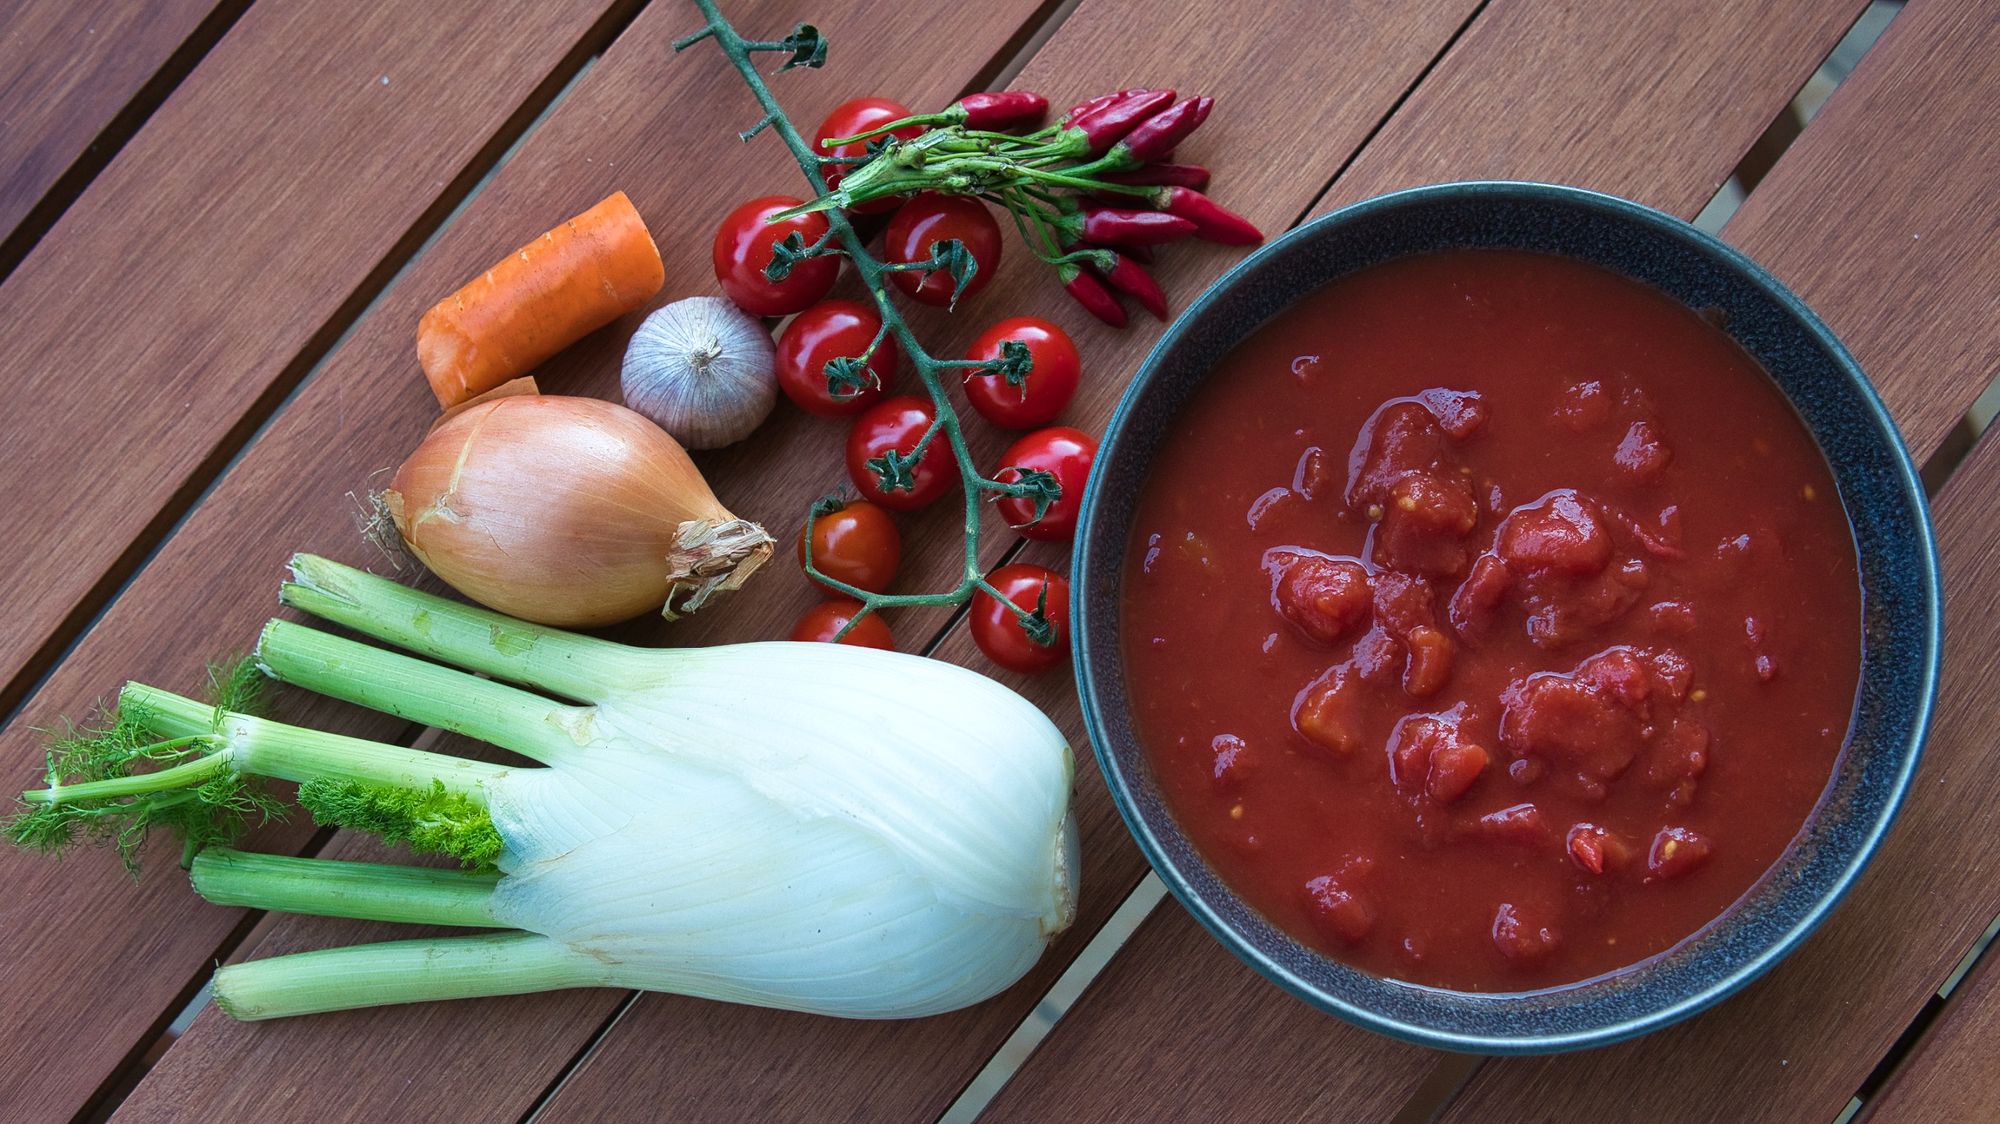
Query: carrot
{"x": 540, "y": 299}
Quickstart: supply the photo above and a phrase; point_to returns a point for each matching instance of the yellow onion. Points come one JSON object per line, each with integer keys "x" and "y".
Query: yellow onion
{"x": 568, "y": 511}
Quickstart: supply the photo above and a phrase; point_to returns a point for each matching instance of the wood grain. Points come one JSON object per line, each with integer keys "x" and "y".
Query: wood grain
{"x": 1953, "y": 1073}
{"x": 228, "y": 242}
{"x": 705, "y": 1061}
{"x": 1655, "y": 102}
{"x": 67, "y": 68}
{"x": 1564, "y": 63}
{"x": 1886, "y": 205}
{"x": 631, "y": 123}
{"x": 1799, "y": 1043}
{"x": 1194, "y": 998}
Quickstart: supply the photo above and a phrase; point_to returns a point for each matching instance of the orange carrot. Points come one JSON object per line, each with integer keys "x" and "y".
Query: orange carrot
{"x": 545, "y": 296}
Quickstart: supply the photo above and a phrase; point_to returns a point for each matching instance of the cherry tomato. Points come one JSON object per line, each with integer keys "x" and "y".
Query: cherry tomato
{"x": 1066, "y": 454}
{"x": 743, "y": 248}
{"x": 859, "y": 116}
{"x": 930, "y": 219}
{"x": 825, "y": 620}
{"x": 1048, "y": 386}
{"x": 897, "y": 424}
{"x": 827, "y": 331}
{"x": 999, "y": 631}
{"x": 857, "y": 544}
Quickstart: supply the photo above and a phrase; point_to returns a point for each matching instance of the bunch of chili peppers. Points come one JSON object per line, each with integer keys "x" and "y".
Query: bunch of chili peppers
{"x": 1091, "y": 194}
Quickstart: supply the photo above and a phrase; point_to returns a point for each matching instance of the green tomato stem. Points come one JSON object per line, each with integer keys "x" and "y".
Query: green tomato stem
{"x": 340, "y": 979}
{"x": 873, "y": 275}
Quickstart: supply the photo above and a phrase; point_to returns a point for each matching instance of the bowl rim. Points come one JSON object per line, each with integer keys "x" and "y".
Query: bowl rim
{"x": 1120, "y": 785}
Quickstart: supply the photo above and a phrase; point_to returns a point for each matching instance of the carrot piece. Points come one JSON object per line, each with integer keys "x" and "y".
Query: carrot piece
{"x": 545, "y": 296}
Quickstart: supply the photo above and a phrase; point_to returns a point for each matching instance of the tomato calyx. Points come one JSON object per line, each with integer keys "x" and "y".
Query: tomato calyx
{"x": 805, "y": 45}
{"x": 951, "y": 257}
{"x": 1040, "y": 630}
{"x": 1037, "y": 485}
{"x": 850, "y": 376}
{"x": 1013, "y": 366}
{"x": 790, "y": 250}
{"x": 897, "y": 471}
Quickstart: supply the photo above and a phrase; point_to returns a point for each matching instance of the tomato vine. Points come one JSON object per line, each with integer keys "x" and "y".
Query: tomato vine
{"x": 805, "y": 47}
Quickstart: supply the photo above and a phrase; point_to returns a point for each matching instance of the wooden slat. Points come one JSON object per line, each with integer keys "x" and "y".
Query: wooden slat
{"x": 67, "y": 68}
{"x": 1574, "y": 69}
{"x": 1886, "y": 205}
{"x": 228, "y": 242}
{"x": 1801, "y": 1041}
{"x": 717, "y": 1062}
{"x": 1953, "y": 1074}
{"x": 661, "y": 127}
{"x": 1193, "y": 998}
{"x": 1655, "y": 103}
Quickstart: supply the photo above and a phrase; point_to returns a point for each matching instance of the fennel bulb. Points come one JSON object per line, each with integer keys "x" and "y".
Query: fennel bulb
{"x": 814, "y": 827}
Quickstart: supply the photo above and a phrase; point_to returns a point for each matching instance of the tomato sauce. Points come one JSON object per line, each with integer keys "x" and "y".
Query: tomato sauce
{"x": 1491, "y": 621}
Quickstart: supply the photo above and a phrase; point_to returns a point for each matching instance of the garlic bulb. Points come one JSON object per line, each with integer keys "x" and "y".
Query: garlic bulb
{"x": 704, "y": 370}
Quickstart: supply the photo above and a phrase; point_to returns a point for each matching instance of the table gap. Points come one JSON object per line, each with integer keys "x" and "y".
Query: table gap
{"x": 317, "y": 351}
{"x": 112, "y": 138}
{"x": 1013, "y": 1053}
{"x": 150, "y": 1048}
{"x": 1448, "y": 1077}
{"x": 1907, "y": 1042}
{"x": 1957, "y": 445}
{"x": 583, "y": 1056}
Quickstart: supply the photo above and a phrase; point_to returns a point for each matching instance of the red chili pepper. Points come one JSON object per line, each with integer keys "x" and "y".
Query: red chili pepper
{"x": 1161, "y": 175}
{"x": 1131, "y": 278}
{"x": 1114, "y": 226}
{"x": 1156, "y": 137}
{"x": 1001, "y": 109}
{"x": 1213, "y": 222}
{"x": 1098, "y": 102}
{"x": 1091, "y": 294}
{"x": 1107, "y": 124}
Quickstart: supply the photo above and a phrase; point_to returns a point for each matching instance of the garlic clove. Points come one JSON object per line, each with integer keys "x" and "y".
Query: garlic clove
{"x": 703, "y": 370}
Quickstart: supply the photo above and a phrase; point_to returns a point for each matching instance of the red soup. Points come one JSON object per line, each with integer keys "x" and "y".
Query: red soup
{"x": 1491, "y": 621}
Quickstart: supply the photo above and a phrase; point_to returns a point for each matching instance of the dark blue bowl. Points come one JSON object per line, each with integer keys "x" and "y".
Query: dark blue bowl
{"x": 1901, "y": 607}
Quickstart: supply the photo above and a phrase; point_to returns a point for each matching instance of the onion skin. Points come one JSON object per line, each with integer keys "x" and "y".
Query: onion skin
{"x": 568, "y": 511}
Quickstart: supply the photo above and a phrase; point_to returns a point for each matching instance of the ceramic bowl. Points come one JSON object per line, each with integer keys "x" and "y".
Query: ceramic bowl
{"x": 1878, "y": 487}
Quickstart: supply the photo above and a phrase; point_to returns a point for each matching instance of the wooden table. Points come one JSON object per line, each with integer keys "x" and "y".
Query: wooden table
{"x": 219, "y": 220}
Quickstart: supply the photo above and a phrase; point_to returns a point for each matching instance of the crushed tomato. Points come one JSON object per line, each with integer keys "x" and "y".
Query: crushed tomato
{"x": 1491, "y": 622}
